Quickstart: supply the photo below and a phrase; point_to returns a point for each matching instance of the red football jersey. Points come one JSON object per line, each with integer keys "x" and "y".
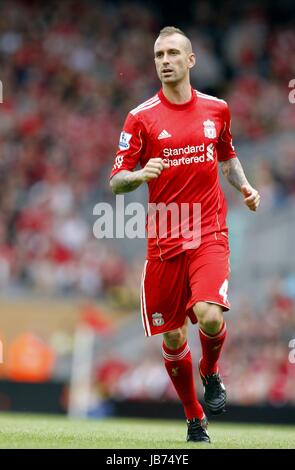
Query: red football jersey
{"x": 192, "y": 138}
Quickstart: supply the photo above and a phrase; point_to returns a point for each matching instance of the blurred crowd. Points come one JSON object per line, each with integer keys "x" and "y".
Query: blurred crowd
{"x": 71, "y": 71}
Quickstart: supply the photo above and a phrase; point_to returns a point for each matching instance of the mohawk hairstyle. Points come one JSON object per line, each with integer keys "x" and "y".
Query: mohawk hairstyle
{"x": 168, "y": 30}
{"x": 171, "y": 30}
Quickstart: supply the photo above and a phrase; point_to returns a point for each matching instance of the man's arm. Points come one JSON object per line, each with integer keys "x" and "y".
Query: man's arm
{"x": 126, "y": 181}
{"x": 234, "y": 173}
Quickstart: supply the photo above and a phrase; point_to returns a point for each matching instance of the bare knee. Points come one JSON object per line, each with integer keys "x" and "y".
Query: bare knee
{"x": 210, "y": 316}
{"x": 176, "y": 338}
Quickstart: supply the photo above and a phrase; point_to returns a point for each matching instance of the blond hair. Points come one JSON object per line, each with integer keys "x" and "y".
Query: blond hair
{"x": 171, "y": 30}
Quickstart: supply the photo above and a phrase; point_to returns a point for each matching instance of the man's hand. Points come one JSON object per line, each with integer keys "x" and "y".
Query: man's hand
{"x": 153, "y": 169}
{"x": 234, "y": 173}
{"x": 251, "y": 197}
{"x": 126, "y": 181}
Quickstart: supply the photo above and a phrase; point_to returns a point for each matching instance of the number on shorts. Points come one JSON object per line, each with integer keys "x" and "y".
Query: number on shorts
{"x": 223, "y": 290}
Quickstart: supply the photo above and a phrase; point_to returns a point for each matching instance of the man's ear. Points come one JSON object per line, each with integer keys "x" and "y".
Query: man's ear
{"x": 192, "y": 60}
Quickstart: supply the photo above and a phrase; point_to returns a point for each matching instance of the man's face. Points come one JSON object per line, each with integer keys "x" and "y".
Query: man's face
{"x": 173, "y": 58}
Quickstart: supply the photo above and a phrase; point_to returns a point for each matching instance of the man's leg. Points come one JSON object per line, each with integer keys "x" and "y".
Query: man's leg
{"x": 212, "y": 331}
{"x": 164, "y": 295}
{"x": 178, "y": 363}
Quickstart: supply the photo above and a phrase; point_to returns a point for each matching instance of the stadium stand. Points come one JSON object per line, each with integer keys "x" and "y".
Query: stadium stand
{"x": 71, "y": 71}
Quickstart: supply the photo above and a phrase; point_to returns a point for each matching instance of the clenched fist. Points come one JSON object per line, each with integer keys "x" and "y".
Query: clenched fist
{"x": 153, "y": 169}
{"x": 251, "y": 197}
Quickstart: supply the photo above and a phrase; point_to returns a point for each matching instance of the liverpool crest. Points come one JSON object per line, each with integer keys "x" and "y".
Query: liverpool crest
{"x": 158, "y": 319}
{"x": 209, "y": 129}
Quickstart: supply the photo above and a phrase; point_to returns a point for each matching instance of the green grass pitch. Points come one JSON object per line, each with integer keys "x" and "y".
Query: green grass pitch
{"x": 19, "y": 431}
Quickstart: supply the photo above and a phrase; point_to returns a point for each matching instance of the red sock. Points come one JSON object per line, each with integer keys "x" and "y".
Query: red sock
{"x": 211, "y": 349}
{"x": 178, "y": 363}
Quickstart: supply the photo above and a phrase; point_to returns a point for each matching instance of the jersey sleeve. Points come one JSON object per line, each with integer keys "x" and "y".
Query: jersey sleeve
{"x": 131, "y": 145}
{"x": 225, "y": 148}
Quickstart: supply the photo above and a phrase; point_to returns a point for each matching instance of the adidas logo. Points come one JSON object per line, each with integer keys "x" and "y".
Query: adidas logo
{"x": 164, "y": 135}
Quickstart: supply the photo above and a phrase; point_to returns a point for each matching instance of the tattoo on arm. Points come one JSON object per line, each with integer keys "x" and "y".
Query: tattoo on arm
{"x": 125, "y": 181}
{"x": 234, "y": 173}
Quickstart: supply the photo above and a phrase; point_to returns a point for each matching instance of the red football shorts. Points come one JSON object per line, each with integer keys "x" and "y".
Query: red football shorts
{"x": 170, "y": 288}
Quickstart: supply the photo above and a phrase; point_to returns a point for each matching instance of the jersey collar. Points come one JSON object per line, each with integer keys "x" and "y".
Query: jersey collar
{"x": 178, "y": 107}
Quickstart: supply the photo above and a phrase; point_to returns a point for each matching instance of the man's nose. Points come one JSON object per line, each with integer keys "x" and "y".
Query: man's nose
{"x": 165, "y": 59}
